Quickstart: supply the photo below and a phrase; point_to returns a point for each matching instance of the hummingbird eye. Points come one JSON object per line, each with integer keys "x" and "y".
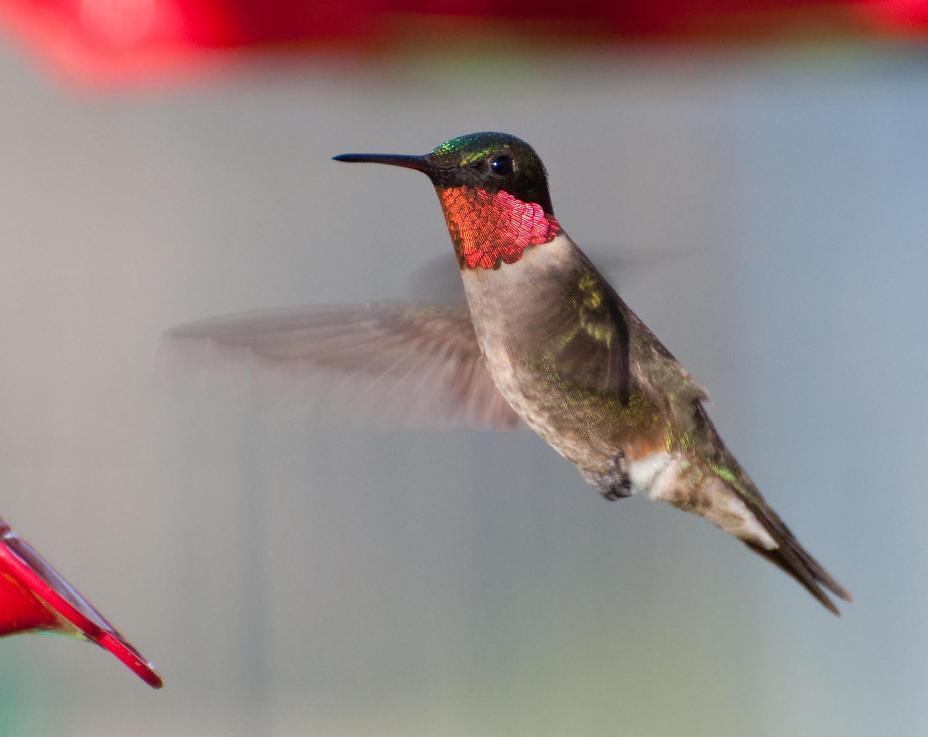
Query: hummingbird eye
{"x": 502, "y": 165}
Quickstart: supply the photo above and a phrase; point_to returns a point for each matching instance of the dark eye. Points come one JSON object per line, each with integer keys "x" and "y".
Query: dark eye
{"x": 502, "y": 165}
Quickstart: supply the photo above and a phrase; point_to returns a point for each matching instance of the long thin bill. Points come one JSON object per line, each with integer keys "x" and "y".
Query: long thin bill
{"x": 419, "y": 163}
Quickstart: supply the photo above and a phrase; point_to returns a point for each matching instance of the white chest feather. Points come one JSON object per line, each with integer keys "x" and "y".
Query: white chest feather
{"x": 504, "y": 300}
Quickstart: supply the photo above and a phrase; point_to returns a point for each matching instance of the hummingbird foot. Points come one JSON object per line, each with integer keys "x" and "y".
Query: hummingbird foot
{"x": 617, "y": 484}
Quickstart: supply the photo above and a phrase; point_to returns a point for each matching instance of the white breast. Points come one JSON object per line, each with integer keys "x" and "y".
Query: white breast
{"x": 501, "y": 295}
{"x": 503, "y": 299}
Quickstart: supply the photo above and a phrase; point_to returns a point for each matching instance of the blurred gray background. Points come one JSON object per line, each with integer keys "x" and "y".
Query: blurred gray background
{"x": 298, "y": 573}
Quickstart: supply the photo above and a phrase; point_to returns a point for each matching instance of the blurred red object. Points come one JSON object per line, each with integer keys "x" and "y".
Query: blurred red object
{"x": 903, "y": 17}
{"x": 34, "y": 597}
{"x": 114, "y": 40}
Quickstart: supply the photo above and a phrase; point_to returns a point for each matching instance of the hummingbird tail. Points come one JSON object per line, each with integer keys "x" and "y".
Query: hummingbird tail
{"x": 780, "y": 546}
{"x": 793, "y": 559}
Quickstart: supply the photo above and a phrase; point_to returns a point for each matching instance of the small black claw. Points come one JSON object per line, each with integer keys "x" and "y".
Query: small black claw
{"x": 614, "y": 493}
{"x": 620, "y": 485}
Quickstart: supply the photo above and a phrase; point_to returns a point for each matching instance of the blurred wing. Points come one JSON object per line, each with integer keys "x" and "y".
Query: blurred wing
{"x": 437, "y": 280}
{"x": 415, "y": 364}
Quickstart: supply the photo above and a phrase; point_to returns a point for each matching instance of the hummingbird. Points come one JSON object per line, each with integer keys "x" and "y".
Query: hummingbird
{"x": 544, "y": 341}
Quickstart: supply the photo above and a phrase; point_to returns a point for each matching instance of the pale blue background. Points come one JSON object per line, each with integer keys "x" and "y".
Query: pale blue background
{"x": 293, "y": 573}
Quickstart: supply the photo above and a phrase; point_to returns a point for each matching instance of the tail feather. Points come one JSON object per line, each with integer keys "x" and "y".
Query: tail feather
{"x": 721, "y": 492}
{"x": 790, "y": 556}
{"x": 792, "y": 559}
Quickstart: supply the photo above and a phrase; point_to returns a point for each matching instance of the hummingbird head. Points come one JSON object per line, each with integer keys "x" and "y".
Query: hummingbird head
{"x": 493, "y": 190}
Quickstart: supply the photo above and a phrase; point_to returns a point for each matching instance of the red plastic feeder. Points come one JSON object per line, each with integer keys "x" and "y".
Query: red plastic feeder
{"x": 34, "y": 597}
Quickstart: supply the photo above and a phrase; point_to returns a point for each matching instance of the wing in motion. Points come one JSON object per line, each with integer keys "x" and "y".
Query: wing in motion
{"x": 417, "y": 364}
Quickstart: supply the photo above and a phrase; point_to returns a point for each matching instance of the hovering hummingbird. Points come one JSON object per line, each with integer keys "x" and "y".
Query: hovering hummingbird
{"x": 544, "y": 340}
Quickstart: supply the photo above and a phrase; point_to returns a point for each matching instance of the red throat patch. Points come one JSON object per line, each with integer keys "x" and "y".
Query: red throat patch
{"x": 493, "y": 228}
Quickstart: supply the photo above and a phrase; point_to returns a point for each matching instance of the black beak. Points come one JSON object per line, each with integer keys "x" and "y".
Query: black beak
{"x": 419, "y": 163}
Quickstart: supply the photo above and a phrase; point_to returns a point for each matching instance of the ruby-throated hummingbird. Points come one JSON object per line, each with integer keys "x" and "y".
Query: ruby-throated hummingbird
{"x": 544, "y": 340}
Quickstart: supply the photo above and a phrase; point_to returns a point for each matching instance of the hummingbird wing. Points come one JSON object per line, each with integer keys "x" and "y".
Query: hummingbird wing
{"x": 408, "y": 363}
{"x": 599, "y": 345}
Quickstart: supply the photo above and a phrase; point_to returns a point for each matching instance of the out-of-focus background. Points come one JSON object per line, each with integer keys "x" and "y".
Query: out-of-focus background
{"x": 761, "y": 177}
